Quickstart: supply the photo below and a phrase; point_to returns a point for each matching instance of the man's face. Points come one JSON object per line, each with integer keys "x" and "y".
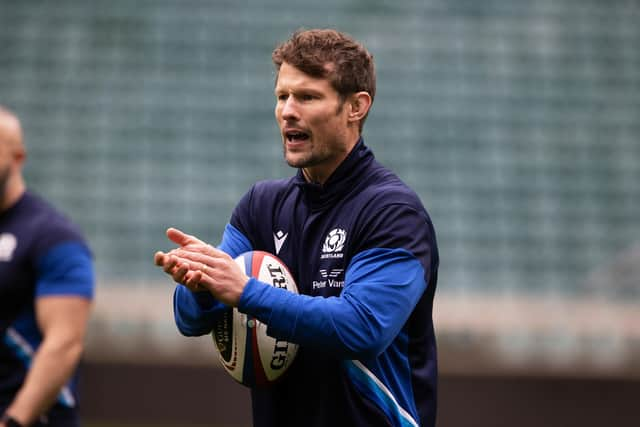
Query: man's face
{"x": 11, "y": 158}
{"x": 313, "y": 123}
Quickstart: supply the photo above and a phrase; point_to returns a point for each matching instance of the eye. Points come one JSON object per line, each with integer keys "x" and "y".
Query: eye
{"x": 307, "y": 97}
{"x": 282, "y": 97}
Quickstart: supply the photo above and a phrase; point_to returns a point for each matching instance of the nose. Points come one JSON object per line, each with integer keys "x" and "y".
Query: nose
{"x": 289, "y": 109}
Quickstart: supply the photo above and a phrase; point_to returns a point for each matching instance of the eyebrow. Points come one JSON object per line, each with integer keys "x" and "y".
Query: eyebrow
{"x": 298, "y": 90}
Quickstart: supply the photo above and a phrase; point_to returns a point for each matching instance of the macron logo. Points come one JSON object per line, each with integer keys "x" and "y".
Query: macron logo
{"x": 278, "y": 238}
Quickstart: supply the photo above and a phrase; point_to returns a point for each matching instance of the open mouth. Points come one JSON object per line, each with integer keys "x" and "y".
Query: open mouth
{"x": 296, "y": 136}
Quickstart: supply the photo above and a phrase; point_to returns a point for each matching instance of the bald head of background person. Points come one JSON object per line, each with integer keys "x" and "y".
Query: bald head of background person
{"x": 12, "y": 157}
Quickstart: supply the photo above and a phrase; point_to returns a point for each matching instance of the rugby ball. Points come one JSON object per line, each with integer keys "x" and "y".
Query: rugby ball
{"x": 247, "y": 353}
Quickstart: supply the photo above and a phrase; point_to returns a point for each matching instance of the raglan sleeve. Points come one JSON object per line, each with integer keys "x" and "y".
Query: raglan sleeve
{"x": 64, "y": 262}
{"x": 66, "y": 269}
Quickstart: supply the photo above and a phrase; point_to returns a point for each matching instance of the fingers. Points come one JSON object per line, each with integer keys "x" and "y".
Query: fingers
{"x": 182, "y": 239}
{"x": 172, "y": 265}
{"x": 202, "y": 268}
{"x": 177, "y": 270}
{"x": 189, "y": 263}
{"x": 184, "y": 271}
{"x": 158, "y": 258}
{"x": 196, "y": 259}
{"x": 193, "y": 281}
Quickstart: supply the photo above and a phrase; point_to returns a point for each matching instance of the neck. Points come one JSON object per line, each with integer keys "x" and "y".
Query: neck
{"x": 307, "y": 176}
{"x": 318, "y": 175}
{"x": 15, "y": 189}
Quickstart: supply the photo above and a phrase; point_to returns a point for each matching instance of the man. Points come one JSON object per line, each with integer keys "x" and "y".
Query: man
{"x": 367, "y": 353}
{"x": 46, "y": 287}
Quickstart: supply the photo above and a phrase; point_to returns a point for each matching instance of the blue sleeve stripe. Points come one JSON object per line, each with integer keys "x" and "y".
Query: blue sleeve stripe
{"x": 65, "y": 397}
{"x": 234, "y": 242}
{"x": 24, "y": 352}
{"x": 66, "y": 269}
{"x": 372, "y": 388}
{"x": 20, "y": 346}
{"x": 382, "y": 286}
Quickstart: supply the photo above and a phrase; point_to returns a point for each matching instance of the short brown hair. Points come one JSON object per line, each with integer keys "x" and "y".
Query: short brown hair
{"x": 331, "y": 54}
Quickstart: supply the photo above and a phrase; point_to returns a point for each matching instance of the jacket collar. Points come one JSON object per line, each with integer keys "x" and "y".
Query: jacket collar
{"x": 341, "y": 181}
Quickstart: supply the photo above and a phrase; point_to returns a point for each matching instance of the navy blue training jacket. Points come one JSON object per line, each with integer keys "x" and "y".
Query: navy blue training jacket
{"x": 363, "y": 252}
{"x": 41, "y": 253}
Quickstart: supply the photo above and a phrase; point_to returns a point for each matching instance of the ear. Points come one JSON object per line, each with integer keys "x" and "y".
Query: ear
{"x": 359, "y": 104}
{"x": 21, "y": 155}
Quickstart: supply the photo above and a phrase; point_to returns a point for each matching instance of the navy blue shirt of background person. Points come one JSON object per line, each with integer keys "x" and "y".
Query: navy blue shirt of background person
{"x": 41, "y": 254}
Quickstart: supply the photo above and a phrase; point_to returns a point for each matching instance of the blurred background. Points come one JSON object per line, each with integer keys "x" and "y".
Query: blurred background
{"x": 518, "y": 124}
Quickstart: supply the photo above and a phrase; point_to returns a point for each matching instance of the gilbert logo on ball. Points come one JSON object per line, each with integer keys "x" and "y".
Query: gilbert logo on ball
{"x": 247, "y": 353}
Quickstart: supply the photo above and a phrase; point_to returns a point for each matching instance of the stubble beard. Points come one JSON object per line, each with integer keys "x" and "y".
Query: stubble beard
{"x": 306, "y": 160}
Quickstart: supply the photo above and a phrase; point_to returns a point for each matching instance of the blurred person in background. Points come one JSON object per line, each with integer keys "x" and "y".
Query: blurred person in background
{"x": 367, "y": 353}
{"x": 46, "y": 289}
